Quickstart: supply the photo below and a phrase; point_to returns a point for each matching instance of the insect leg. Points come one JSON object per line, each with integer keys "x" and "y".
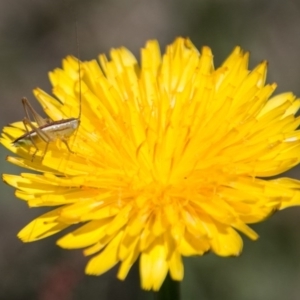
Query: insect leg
{"x": 26, "y": 123}
{"x": 40, "y": 133}
{"x": 66, "y": 143}
{"x": 30, "y": 110}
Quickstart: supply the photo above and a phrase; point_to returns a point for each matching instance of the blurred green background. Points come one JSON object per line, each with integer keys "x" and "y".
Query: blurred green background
{"x": 34, "y": 37}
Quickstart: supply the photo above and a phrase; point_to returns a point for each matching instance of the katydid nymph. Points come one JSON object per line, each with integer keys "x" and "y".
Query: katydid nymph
{"x": 46, "y": 130}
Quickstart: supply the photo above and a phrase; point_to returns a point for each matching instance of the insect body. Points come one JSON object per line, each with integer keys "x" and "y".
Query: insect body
{"x": 46, "y": 130}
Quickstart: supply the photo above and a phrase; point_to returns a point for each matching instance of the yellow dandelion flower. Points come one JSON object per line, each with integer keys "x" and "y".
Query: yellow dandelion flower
{"x": 169, "y": 158}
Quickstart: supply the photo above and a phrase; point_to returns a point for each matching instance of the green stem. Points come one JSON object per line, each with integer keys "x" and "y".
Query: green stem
{"x": 170, "y": 290}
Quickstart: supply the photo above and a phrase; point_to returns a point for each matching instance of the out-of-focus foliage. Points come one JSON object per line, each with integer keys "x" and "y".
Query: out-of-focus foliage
{"x": 34, "y": 37}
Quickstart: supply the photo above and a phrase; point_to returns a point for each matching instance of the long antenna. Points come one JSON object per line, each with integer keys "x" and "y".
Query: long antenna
{"x": 78, "y": 59}
{"x": 73, "y": 10}
{"x": 71, "y": 5}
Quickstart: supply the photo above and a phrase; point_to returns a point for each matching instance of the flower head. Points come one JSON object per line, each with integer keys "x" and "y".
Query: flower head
{"x": 169, "y": 158}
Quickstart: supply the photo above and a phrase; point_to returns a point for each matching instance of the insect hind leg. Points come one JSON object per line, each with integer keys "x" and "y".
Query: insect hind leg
{"x": 27, "y": 123}
{"x": 40, "y": 133}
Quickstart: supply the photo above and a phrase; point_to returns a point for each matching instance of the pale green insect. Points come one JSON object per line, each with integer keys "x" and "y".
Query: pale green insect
{"x": 47, "y": 129}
